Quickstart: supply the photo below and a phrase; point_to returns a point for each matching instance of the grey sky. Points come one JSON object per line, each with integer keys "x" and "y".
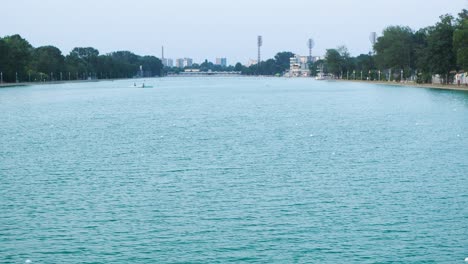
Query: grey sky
{"x": 214, "y": 28}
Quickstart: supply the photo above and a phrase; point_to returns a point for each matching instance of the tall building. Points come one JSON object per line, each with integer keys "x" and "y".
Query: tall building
{"x": 179, "y": 63}
{"x": 185, "y": 62}
{"x": 221, "y": 61}
{"x": 188, "y": 62}
{"x": 167, "y": 62}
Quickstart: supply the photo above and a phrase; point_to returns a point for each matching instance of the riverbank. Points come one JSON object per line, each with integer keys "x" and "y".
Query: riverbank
{"x": 417, "y": 85}
{"x": 23, "y": 84}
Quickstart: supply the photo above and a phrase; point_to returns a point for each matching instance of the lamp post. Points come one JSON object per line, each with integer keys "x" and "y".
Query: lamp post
{"x": 1, "y": 77}
{"x": 16, "y": 74}
{"x": 361, "y": 75}
{"x": 401, "y": 78}
{"x": 69, "y": 76}
{"x": 61, "y": 77}
{"x": 379, "y": 76}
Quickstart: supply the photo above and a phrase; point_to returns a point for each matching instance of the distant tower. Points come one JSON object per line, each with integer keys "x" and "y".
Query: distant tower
{"x": 310, "y": 45}
{"x": 373, "y": 40}
{"x": 259, "y": 44}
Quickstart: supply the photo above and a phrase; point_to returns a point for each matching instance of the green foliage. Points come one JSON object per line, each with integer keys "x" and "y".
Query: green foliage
{"x": 421, "y": 55}
{"x": 365, "y": 64}
{"x": 16, "y": 57}
{"x": 394, "y": 48}
{"x": 47, "y": 59}
{"x": 460, "y": 40}
{"x": 276, "y": 66}
{"x": 48, "y": 63}
{"x": 348, "y": 63}
{"x": 441, "y": 58}
{"x": 282, "y": 60}
{"x": 238, "y": 67}
{"x": 152, "y": 66}
{"x": 334, "y": 61}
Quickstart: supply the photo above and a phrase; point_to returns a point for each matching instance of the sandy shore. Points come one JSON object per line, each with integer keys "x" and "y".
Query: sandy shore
{"x": 418, "y": 85}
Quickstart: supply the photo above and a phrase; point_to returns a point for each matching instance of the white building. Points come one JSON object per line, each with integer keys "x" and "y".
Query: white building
{"x": 188, "y": 62}
{"x": 167, "y": 62}
{"x": 298, "y": 66}
{"x": 185, "y": 62}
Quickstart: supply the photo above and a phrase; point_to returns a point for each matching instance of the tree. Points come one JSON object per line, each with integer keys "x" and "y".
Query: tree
{"x": 365, "y": 63}
{"x": 317, "y": 66}
{"x": 334, "y": 61}
{"x": 125, "y": 64}
{"x": 3, "y": 55}
{"x": 47, "y": 59}
{"x": 348, "y": 64}
{"x": 394, "y": 48}
{"x": 87, "y": 56}
{"x": 152, "y": 66}
{"x": 441, "y": 58}
{"x": 238, "y": 67}
{"x": 206, "y": 66}
{"x": 75, "y": 66}
{"x": 460, "y": 40}
{"x": 282, "y": 60}
{"x": 17, "y": 58}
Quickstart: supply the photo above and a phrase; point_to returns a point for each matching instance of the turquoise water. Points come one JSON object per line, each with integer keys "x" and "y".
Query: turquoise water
{"x": 240, "y": 170}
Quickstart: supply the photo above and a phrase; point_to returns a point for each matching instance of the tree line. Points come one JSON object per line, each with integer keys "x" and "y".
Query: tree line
{"x": 274, "y": 66}
{"x": 21, "y": 62}
{"x": 401, "y": 52}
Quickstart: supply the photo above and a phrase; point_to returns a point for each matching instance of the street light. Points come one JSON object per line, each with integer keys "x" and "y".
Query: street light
{"x": 401, "y": 78}
{"x": 1, "y": 77}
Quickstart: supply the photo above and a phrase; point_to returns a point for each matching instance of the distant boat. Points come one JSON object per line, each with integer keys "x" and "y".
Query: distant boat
{"x": 142, "y": 86}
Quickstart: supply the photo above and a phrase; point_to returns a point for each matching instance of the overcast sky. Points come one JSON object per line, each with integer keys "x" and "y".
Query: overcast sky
{"x": 214, "y": 28}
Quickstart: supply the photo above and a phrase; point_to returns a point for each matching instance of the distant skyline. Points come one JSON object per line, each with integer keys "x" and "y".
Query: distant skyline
{"x": 210, "y": 29}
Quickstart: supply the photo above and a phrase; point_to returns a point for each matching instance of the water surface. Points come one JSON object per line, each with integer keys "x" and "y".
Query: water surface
{"x": 241, "y": 170}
